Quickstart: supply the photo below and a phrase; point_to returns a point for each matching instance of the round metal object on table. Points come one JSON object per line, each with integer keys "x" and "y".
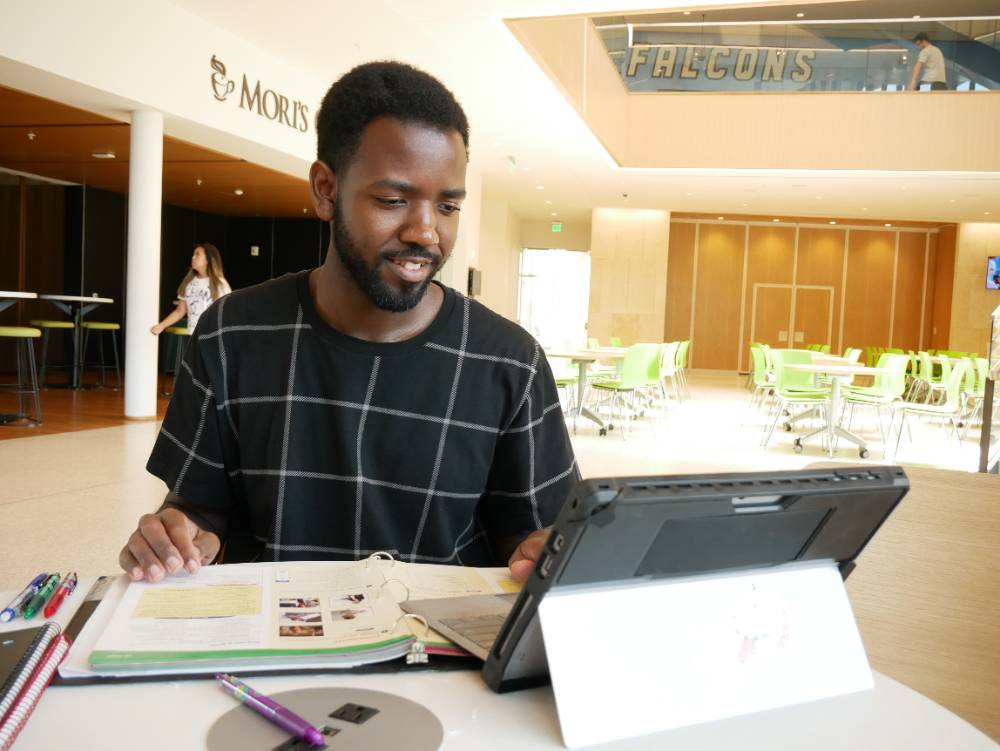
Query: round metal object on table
{"x": 399, "y": 723}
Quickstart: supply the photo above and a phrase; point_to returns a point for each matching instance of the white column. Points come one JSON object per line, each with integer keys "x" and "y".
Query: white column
{"x": 142, "y": 295}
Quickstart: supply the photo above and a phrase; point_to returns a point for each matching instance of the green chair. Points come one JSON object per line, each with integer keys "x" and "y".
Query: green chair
{"x": 47, "y": 326}
{"x": 794, "y": 388}
{"x": 567, "y": 376}
{"x": 27, "y": 377}
{"x": 980, "y": 366}
{"x": 174, "y": 344}
{"x": 949, "y": 410}
{"x": 640, "y": 370}
{"x": 670, "y": 369}
{"x": 935, "y": 384}
{"x": 887, "y": 389}
{"x": 682, "y": 366}
{"x": 616, "y": 342}
{"x": 824, "y": 349}
{"x": 762, "y": 384}
{"x": 103, "y": 329}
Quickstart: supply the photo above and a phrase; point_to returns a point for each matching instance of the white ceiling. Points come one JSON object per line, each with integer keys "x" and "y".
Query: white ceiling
{"x": 515, "y": 110}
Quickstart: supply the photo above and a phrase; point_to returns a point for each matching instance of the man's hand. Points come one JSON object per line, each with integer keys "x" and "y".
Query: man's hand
{"x": 523, "y": 560}
{"x": 166, "y": 542}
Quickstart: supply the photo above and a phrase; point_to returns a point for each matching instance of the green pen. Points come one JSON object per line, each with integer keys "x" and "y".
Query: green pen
{"x": 37, "y": 602}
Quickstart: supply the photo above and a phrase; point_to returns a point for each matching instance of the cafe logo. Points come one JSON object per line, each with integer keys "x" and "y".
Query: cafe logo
{"x": 265, "y": 102}
{"x": 221, "y": 85}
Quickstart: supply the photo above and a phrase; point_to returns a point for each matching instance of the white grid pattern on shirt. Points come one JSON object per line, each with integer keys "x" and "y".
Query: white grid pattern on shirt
{"x": 461, "y": 353}
{"x": 225, "y": 376}
{"x": 359, "y": 492}
{"x": 444, "y": 428}
{"x": 194, "y": 446}
{"x": 279, "y": 510}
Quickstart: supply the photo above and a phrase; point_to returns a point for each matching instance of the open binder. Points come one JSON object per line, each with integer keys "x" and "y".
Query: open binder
{"x": 287, "y": 617}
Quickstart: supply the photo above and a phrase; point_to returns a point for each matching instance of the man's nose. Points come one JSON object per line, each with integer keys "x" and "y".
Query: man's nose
{"x": 421, "y": 226}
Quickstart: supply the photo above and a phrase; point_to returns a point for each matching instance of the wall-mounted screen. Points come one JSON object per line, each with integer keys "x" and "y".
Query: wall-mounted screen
{"x": 993, "y": 272}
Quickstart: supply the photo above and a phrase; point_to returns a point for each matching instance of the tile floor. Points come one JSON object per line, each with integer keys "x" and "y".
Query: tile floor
{"x": 69, "y": 501}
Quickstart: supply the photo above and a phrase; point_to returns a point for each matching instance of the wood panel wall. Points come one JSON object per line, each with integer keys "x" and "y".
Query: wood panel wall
{"x": 884, "y": 284}
{"x": 715, "y": 343}
{"x": 944, "y": 279}
{"x": 680, "y": 272}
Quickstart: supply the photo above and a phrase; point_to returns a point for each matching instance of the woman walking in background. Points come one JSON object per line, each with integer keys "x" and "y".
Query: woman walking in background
{"x": 203, "y": 285}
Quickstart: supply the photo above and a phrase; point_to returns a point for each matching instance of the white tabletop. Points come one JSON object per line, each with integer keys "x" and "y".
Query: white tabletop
{"x": 178, "y": 715}
{"x": 589, "y": 355}
{"x": 18, "y": 295}
{"x": 838, "y": 369}
{"x": 75, "y": 298}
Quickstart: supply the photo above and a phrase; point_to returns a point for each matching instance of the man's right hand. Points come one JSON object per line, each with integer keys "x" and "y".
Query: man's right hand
{"x": 166, "y": 542}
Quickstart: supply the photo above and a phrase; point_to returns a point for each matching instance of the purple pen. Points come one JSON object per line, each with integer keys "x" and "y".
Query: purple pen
{"x": 26, "y": 594}
{"x": 270, "y": 709}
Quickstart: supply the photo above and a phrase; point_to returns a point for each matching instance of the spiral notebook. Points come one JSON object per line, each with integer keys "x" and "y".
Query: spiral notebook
{"x": 28, "y": 660}
{"x": 280, "y": 617}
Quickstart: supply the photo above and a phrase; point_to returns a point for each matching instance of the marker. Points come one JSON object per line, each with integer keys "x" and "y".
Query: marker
{"x": 66, "y": 588}
{"x": 32, "y": 606}
{"x": 284, "y": 718}
{"x": 10, "y": 612}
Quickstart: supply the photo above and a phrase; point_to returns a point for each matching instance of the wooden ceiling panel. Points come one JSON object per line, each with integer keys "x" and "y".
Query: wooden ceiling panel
{"x": 66, "y": 138}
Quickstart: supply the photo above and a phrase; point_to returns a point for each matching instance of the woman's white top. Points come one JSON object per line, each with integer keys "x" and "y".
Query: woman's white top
{"x": 198, "y": 297}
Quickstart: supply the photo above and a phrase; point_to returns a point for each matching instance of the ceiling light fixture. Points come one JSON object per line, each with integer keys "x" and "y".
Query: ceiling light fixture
{"x": 554, "y": 214}
{"x": 951, "y": 200}
{"x": 865, "y": 208}
{"x": 800, "y": 15}
{"x": 238, "y": 191}
{"x": 986, "y": 213}
{"x": 720, "y": 218}
{"x": 103, "y": 154}
{"x": 305, "y": 210}
{"x": 539, "y": 187}
{"x": 832, "y": 221}
{"x": 775, "y": 220}
{"x": 887, "y": 224}
{"x": 198, "y": 181}
{"x": 548, "y": 202}
{"x": 687, "y": 13}
{"x": 31, "y": 135}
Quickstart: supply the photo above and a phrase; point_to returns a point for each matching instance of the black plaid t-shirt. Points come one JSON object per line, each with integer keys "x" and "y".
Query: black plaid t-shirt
{"x": 328, "y": 447}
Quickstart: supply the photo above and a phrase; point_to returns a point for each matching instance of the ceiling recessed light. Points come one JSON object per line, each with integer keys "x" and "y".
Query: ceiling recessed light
{"x": 800, "y": 15}
{"x": 916, "y": 16}
{"x": 775, "y": 220}
{"x": 865, "y": 208}
{"x": 103, "y": 154}
{"x": 198, "y": 181}
{"x": 548, "y": 202}
{"x": 986, "y": 213}
{"x": 687, "y": 13}
{"x": 832, "y": 221}
{"x": 554, "y": 214}
{"x": 887, "y": 224}
{"x": 31, "y": 135}
{"x": 238, "y": 191}
{"x": 539, "y": 187}
{"x": 688, "y": 194}
{"x": 305, "y": 210}
{"x": 951, "y": 200}
{"x": 743, "y": 204}
{"x": 720, "y": 218}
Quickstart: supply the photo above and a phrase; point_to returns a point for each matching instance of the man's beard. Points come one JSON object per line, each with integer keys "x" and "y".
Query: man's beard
{"x": 369, "y": 280}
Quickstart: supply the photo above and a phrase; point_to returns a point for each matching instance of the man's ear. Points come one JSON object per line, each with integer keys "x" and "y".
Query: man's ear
{"x": 323, "y": 189}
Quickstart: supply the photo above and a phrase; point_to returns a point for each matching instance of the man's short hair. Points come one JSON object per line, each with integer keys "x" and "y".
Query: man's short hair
{"x": 921, "y": 37}
{"x": 382, "y": 89}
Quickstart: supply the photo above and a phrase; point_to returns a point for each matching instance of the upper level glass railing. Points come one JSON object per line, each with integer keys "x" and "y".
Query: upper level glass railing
{"x": 821, "y": 56}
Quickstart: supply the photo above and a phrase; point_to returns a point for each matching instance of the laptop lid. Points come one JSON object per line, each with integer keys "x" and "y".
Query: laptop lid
{"x": 619, "y": 530}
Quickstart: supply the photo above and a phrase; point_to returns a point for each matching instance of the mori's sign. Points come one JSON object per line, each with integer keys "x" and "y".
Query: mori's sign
{"x": 257, "y": 98}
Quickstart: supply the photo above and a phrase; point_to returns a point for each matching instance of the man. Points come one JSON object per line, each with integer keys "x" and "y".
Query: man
{"x": 360, "y": 406}
{"x": 931, "y": 62}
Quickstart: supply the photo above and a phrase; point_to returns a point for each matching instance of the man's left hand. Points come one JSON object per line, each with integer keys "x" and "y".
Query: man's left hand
{"x": 523, "y": 560}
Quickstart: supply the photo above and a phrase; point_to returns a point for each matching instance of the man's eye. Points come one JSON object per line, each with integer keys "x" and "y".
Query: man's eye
{"x": 390, "y": 201}
{"x": 449, "y": 208}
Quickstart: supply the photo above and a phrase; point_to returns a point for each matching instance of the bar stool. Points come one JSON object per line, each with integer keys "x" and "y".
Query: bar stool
{"x": 101, "y": 327}
{"x": 46, "y": 326}
{"x": 176, "y": 342}
{"x": 27, "y": 377}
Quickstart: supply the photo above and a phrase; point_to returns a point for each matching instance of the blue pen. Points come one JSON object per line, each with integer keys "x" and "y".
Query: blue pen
{"x": 27, "y": 593}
